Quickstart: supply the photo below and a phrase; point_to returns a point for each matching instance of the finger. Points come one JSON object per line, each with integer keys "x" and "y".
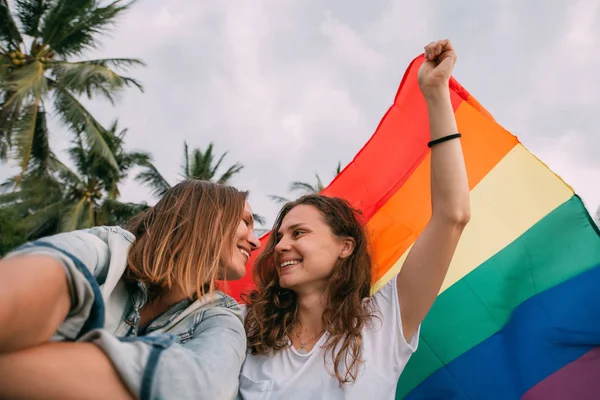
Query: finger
{"x": 428, "y": 51}
{"x": 447, "y": 45}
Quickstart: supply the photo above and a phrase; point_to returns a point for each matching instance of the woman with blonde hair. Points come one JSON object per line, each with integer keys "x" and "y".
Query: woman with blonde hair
{"x": 109, "y": 313}
{"x": 314, "y": 330}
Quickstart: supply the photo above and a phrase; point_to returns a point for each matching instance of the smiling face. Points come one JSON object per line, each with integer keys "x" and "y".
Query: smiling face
{"x": 234, "y": 259}
{"x": 307, "y": 250}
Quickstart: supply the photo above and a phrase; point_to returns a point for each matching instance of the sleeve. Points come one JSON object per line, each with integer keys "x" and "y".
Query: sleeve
{"x": 388, "y": 328}
{"x": 156, "y": 367}
{"x": 85, "y": 255}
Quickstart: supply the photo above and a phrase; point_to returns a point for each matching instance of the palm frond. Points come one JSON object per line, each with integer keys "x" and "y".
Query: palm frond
{"x": 41, "y": 154}
{"x": 26, "y": 81}
{"x": 24, "y": 136}
{"x": 135, "y": 159}
{"x": 9, "y": 115}
{"x": 114, "y": 212}
{"x": 186, "y": 159}
{"x": 279, "y": 199}
{"x": 10, "y": 197}
{"x": 259, "y": 219}
{"x": 200, "y": 168}
{"x": 74, "y": 114}
{"x": 154, "y": 180}
{"x": 231, "y": 171}
{"x": 90, "y": 79}
{"x": 122, "y": 63}
{"x": 4, "y": 147}
{"x": 72, "y": 218}
{"x": 11, "y": 234}
{"x": 73, "y": 26}
{"x": 319, "y": 186}
{"x": 9, "y": 32}
{"x": 80, "y": 157}
{"x": 30, "y": 13}
{"x": 42, "y": 218}
{"x": 304, "y": 187}
{"x": 5, "y": 65}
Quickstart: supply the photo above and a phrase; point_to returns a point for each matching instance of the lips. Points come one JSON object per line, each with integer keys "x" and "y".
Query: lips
{"x": 288, "y": 263}
{"x": 244, "y": 252}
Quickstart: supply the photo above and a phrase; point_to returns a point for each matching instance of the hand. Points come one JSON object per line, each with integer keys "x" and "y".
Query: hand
{"x": 436, "y": 70}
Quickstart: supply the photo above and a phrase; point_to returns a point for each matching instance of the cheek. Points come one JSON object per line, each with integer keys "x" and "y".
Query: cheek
{"x": 240, "y": 233}
{"x": 322, "y": 259}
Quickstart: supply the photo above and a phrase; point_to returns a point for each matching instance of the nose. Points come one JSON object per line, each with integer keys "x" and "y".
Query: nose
{"x": 254, "y": 241}
{"x": 283, "y": 245}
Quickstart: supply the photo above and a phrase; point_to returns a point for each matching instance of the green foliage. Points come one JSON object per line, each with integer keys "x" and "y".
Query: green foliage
{"x": 53, "y": 198}
{"x": 34, "y": 75}
{"x": 11, "y": 233}
{"x": 302, "y": 188}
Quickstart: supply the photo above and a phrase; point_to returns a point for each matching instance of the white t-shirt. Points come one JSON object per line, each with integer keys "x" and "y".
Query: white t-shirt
{"x": 289, "y": 375}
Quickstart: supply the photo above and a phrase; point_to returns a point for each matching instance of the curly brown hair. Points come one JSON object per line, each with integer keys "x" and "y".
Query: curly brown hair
{"x": 273, "y": 310}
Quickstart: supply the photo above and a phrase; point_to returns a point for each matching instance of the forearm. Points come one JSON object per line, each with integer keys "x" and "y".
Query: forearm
{"x": 449, "y": 184}
{"x": 60, "y": 371}
{"x": 34, "y": 300}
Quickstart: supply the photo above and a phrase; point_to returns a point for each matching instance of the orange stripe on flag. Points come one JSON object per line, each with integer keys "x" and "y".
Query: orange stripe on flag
{"x": 411, "y": 204}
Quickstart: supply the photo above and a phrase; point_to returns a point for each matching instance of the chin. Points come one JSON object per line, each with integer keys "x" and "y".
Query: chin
{"x": 286, "y": 283}
{"x": 235, "y": 273}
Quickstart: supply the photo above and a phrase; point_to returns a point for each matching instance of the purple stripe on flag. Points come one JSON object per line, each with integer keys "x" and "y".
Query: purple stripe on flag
{"x": 578, "y": 380}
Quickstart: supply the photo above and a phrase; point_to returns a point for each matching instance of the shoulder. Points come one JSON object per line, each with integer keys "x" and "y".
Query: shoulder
{"x": 223, "y": 308}
{"x": 108, "y": 232}
{"x": 89, "y": 247}
{"x": 97, "y": 238}
{"x": 385, "y": 297}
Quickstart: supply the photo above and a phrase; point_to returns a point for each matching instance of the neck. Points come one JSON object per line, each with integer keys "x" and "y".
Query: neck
{"x": 165, "y": 300}
{"x": 310, "y": 311}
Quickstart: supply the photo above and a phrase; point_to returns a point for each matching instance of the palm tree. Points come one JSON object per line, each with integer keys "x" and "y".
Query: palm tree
{"x": 202, "y": 165}
{"x": 198, "y": 164}
{"x": 36, "y": 74}
{"x": 305, "y": 187}
{"x": 53, "y": 198}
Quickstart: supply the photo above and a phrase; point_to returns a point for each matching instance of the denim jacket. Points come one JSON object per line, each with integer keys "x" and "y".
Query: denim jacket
{"x": 194, "y": 350}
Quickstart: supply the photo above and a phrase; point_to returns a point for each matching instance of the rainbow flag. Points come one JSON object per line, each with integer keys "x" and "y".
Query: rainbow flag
{"x": 518, "y": 316}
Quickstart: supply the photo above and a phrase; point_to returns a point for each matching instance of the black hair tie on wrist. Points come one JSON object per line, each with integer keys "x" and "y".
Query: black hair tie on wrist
{"x": 443, "y": 139}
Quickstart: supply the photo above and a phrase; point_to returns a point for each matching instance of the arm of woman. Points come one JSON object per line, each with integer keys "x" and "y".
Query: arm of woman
{"x": 427, "y": 263}
{"x": 46, "y": 281}
{"x": 60, "y": 371}
{"x": 147, "y": 367}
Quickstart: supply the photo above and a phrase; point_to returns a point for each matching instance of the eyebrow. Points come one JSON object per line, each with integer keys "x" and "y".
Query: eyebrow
{"x": 291, "y": 227}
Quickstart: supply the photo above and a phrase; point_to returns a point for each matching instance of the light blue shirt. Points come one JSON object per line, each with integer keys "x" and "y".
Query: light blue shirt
{"x": 194, "y": 350}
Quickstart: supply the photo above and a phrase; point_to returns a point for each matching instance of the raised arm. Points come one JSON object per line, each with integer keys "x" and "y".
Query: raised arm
{"x": 426, "y": 265}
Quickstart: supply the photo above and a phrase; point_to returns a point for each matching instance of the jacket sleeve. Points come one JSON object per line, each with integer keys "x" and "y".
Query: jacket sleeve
{"x": 85, "y": 255}
{"x": 207, "y": 366}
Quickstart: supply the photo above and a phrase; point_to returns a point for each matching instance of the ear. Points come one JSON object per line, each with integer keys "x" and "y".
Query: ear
{"x": 347, "y": 247}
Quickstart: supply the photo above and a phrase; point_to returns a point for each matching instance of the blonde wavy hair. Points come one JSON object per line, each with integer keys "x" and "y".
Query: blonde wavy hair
{"x": 180, "y": 241}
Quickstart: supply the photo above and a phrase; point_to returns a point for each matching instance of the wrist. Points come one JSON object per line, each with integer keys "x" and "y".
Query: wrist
{"x": 436, "y": 94}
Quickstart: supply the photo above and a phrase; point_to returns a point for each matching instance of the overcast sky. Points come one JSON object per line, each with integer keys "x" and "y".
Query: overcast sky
{"x": 291, "y": 87}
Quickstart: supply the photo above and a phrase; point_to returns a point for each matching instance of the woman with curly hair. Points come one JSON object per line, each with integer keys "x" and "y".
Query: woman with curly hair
{"x": 314, "y": 330}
